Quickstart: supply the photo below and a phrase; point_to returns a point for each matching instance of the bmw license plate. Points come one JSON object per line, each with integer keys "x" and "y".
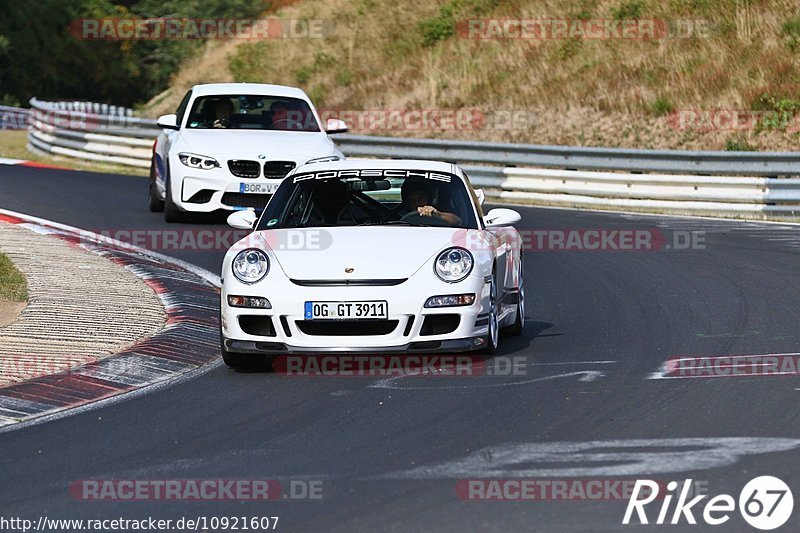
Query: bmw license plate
{"x": 346, "y": 310}
{"x": 258, "y": 188}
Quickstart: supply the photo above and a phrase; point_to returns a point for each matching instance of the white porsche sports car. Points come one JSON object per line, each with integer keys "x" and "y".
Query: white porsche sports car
{"x": 370, "y": 255}
{"x": 229, "y": 145}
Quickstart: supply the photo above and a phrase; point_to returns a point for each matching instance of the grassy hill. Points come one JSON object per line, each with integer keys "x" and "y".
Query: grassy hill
{"x": 728, "y": 56}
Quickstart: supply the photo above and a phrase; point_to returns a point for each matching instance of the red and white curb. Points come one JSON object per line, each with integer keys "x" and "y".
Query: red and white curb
{"x": 26, "y": 163}
{"x": 189, "y": 340}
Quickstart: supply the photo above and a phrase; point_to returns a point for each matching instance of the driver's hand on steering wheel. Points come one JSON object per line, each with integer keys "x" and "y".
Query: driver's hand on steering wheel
{"x": 428, "y": 211}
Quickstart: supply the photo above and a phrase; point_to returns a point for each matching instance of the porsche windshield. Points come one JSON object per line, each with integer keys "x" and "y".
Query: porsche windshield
{"x": 370, "y": 197}
{"x": 252, "y": 112}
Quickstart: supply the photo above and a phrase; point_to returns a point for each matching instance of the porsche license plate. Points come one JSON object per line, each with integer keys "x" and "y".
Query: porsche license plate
{"x": 346, "y": 310}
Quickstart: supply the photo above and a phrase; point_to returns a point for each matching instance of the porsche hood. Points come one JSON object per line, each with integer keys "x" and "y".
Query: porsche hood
{"x": 388, "y": 252}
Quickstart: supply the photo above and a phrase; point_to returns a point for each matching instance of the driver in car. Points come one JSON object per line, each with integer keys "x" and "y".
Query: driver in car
{"x": 419, "y": 195}
{"x": 218, "y": 113}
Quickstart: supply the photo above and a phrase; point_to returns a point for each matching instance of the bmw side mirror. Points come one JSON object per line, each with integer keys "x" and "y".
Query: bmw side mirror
{"x": 168, "y": 122}
{"x": 334, "y": 125}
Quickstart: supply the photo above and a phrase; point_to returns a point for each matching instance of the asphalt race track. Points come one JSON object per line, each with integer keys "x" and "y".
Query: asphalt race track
{"x": 390, "y": 454}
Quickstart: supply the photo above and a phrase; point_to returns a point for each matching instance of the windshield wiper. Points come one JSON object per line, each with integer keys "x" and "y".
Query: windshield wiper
{"x": 303, "y": 226}
{"x": 392, "y": 223}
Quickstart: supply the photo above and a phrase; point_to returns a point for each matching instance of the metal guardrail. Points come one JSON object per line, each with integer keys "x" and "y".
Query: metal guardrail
{"x": 91, "y": 131}
{"x": 13, "y": 118}
{"x": 752, "y": 185}
{"x": 569, "y": 157}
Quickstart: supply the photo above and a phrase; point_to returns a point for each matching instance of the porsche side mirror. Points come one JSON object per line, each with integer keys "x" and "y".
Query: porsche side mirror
{"x": 242, "y": 219}
{"x": 501, "y": 217}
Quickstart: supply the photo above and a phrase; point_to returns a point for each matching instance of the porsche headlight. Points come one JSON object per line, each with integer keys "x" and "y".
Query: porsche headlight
{"x": 453, "y": 265}
{"x": 250, "y": 266}
{"x": 198, "y": 161}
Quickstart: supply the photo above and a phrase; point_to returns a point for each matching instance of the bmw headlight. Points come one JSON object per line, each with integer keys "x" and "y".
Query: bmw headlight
{"x": 250, "y": 266}
{"x": 198, "y": 161}
{"x": 453, "y": 265}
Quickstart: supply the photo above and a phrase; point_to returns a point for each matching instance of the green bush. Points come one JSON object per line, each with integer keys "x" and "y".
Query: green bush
{"x": 739, "y": 144}
{"x": 791, "y": 30}
{"x": 628, "y": 10}
{"x": 304, "y": 74}
{"x": 778, "y": 112}
{"x": 439, "y": 28}
{"x": 344, "y": 77}
{"x": 662, "y": 106}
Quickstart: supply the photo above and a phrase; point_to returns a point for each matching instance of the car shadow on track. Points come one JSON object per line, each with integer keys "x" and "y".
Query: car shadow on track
{"x": 509, "y": 346}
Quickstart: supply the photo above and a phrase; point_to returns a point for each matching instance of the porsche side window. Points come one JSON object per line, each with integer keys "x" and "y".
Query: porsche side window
{"x": 474, "y": 196}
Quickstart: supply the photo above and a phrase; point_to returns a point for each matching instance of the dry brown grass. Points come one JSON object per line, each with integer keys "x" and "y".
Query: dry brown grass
{"x": 581, "y": 92}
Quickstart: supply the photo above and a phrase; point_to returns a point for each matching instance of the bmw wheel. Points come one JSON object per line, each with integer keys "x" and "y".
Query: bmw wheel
{"x": 154, "y": 203}
{"x": 171, "y": 212}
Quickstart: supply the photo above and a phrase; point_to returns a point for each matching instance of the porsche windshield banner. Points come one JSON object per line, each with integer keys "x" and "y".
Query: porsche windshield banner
{"x": 373, "y": 173}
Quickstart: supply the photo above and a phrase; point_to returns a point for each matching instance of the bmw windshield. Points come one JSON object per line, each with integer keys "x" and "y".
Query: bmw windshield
{"x": 252, "y": 112}
{"x": 370, "y": 197}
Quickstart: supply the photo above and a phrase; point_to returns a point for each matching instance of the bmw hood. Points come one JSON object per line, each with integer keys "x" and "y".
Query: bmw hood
{"x": 392, "y": 252}
{"x": 249, "y": 144}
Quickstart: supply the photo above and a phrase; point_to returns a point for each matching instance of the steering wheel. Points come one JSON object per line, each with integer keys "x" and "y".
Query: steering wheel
{"x": 289, "y": 124}
{"x": 413, "y": 217}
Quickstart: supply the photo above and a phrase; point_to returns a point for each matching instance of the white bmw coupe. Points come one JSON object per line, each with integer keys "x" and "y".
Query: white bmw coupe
{"x": 371, "y": 256}
{"x": 229, "y": 145}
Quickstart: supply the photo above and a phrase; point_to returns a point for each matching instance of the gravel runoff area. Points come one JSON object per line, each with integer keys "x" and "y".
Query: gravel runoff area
{"x": 81, "y": 307}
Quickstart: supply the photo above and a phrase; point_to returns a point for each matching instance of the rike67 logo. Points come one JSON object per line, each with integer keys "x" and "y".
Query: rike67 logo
{"x": 765, "y": 503}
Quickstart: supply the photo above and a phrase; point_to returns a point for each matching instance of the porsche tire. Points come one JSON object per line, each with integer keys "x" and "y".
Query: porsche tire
{"x": 493, "y": 335}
